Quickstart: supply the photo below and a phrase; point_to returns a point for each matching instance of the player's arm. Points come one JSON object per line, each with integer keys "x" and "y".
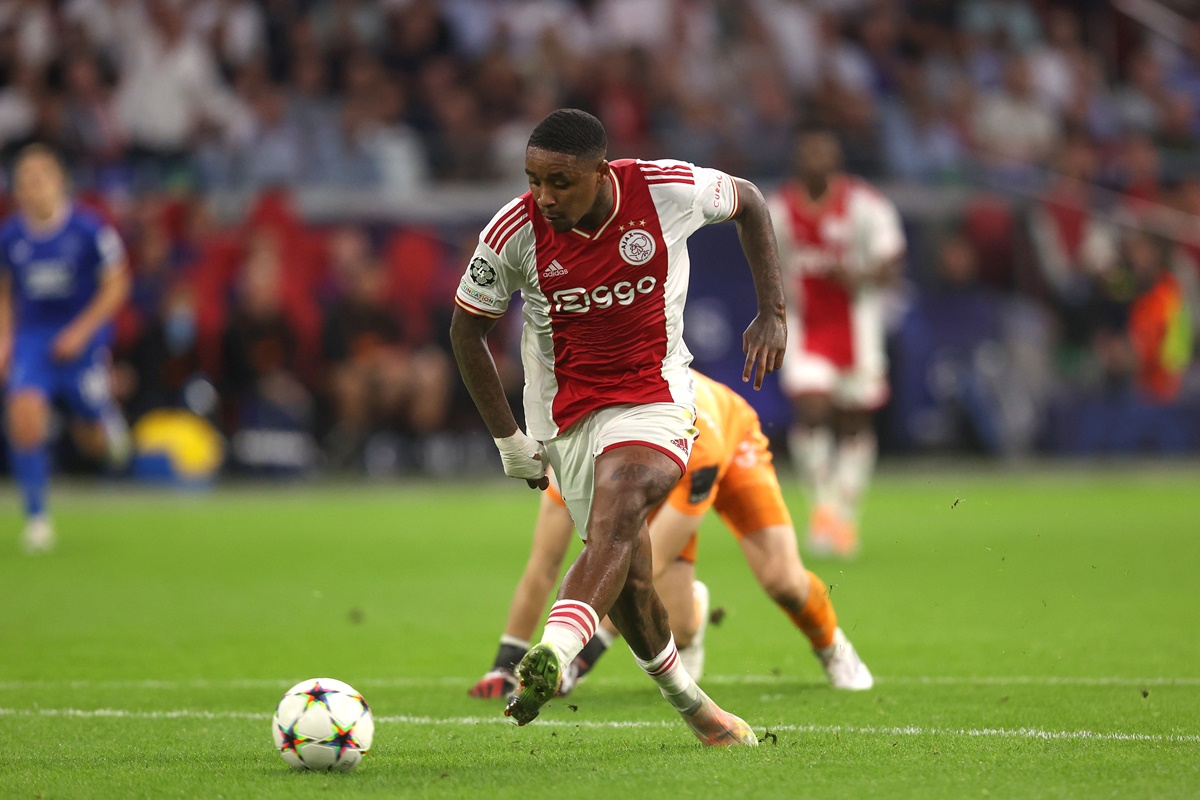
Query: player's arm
{"x": 468, "y": 337}
{"x": 884, "y": 257}
{"x": 764, "y": 341}
{"x": 6, "y": 321}
{"x": 111, "y": 294}
{"x": 670, "y": 531}
{"x": 109, "y": 298}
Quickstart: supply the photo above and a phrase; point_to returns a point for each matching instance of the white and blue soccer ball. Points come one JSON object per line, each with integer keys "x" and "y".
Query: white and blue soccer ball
{"x": 323, "y": 724}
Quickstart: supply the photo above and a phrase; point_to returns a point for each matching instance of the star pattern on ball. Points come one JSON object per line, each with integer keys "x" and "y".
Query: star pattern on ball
{"x": 343, "y": 738}
{"x": 291, "y": 739}
{"x": 317, "y": 694}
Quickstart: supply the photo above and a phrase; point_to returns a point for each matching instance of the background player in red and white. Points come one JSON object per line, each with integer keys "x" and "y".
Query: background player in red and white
{"x": 841, "y": 243}
{"x": 598, "y": 250}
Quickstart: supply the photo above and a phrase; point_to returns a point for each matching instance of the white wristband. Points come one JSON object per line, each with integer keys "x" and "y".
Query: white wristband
{"x": 522, "y": 456}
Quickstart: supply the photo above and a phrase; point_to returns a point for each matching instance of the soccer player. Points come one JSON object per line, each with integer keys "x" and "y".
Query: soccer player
{"x": 841, "y": 244}
{"x": 598, "y": 250}
{"x": 63, "y": 277}
{"x": 730, "y": 470}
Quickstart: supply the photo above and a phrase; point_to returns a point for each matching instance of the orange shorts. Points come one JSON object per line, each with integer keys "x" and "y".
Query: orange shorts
{"x": 748, "y": 496}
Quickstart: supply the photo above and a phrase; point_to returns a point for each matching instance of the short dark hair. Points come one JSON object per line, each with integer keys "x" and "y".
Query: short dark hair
{"x": 572, "y": 132}
{"x": 44, "y": 149}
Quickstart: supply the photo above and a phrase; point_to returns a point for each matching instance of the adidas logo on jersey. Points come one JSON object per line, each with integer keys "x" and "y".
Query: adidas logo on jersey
{"x": 555, "y": 270}
{"x": 682, "y": 444}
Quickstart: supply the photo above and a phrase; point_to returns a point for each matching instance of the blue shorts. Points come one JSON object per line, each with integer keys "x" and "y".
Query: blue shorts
{"x": 82, "y": 384}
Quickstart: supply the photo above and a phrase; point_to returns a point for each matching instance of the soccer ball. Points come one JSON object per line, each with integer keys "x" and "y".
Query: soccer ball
{"x": 323, "y": 724}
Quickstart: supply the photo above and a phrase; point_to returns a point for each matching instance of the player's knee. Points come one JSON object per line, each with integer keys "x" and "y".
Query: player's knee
{"x": 26, "y": 422}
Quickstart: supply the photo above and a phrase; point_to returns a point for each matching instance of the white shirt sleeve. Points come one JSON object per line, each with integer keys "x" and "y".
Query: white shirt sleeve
{"x": 716, "y": 196}
{"x": 689, "y": 197}
{"x": 491, "y": 278}
{"x": 878, "y": 232}
{"x": 112, "y": 252}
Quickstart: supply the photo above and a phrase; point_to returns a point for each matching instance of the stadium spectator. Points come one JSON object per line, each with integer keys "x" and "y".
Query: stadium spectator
{"x": 164, "y": 359}
{"x": 19, "y": 102}
{"x": 1160, "y": 331}
{"x": 377, "y": 380}
{"x": 170, "y": 90}
{"x": 1014, "y": 131}
{"x": 1073, "y": 248}
{"x": 921, "y": 144}
{"x": 260, "y": 348}
{"x": 93, "y": 131}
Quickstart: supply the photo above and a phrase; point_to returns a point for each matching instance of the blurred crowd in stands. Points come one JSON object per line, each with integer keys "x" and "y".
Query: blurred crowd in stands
{"x": 1055, "y": 147}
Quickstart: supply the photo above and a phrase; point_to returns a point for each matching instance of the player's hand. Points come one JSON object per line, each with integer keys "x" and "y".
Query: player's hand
{"x": 847, "y": 277}
{"x": 524, "y": 457}
{"x": 763, "y": 343}
{"x": 69, "y": 345}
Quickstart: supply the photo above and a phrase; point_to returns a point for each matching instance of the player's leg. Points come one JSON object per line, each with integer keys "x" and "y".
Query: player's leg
{"x": 775, "y": 561}
{"x": 642, "y": 619}
{"x": 672, "y": 539}
{"x": 674, "y": 585}
{"x": 551, "y": 538}
{"x": 855, "y": 463}
{"x": 626, "y": 473}
{"x": 751, "y": 505}
{"x": 28, "y": 419}
{"x": 809, "y": 380}
{"x": 627, "y": 482}
{"x": 99, "y": 428}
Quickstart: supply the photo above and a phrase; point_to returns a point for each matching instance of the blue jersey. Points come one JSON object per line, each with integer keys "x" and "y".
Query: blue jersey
{"x": 56, "y": 274}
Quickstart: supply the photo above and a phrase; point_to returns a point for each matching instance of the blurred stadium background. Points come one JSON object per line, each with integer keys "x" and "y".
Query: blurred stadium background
{"x": 299, "y": 183}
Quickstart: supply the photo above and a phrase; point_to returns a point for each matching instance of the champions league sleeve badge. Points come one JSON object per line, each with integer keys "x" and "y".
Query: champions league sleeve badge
{"x": 482, "y": 273}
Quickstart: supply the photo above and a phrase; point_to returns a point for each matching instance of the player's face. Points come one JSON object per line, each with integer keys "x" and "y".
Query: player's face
{"x": 39, "y": 185}
{"x": 817, "y": 157}
{"x": 566, "y": 188}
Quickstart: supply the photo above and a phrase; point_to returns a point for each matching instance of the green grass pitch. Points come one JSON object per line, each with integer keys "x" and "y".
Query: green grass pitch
{"x": 1040, "y": 638}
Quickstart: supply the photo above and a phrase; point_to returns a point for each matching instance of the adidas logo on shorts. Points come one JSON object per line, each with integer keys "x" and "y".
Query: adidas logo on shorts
{"x": 682, "y": 444}
{"x": 555, "y": 270}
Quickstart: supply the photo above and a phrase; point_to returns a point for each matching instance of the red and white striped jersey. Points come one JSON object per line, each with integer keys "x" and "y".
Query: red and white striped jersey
{"x": 853, "y": 225}
{"x": 603, "y": 309}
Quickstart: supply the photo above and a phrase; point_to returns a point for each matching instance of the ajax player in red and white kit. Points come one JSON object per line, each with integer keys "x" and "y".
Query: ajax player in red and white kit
{"x": 841, "y": 243}
{"x": 598, "y": 250}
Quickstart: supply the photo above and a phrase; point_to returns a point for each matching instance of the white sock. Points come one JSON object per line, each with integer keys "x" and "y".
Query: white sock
{"x": 666, "y": 670}
{"x": 513, "y": 641}
{"x": 570, "y": 625}
{"x": 813, "y": 453}
{"x": 855, "y": 463}
{"x": 604, "y": 636}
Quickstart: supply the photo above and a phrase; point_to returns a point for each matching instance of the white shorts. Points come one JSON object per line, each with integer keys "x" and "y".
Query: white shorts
{"x": 858, "y": 387}
{"x": 669, "y": 428}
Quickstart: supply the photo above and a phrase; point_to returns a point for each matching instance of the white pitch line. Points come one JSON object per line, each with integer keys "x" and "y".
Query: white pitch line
{"x": 716, "y": 680}
{"x": 404, "y": 719}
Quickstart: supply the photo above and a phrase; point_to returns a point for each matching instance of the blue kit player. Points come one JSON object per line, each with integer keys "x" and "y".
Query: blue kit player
{"x": 63, "y": 277}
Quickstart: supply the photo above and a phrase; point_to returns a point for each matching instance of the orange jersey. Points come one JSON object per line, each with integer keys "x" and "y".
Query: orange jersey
{"x": 727, "y": 425}
{"x": 730, "y": 467}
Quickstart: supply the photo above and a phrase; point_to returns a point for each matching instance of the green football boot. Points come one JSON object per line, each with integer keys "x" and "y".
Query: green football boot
{"x": 540, "y": 672}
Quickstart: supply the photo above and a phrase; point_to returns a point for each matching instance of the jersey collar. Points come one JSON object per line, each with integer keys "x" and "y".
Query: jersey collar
{"x": 49, "y": 232}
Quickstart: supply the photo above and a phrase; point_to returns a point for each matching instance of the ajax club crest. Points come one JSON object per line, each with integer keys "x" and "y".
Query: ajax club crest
{"x": 637, "y": 247}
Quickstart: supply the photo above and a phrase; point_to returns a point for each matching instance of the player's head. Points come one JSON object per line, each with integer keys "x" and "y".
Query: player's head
{"x": 818, "y": 155}
{"x": 39, "y": 181}
{"x": 566, "y": 166}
